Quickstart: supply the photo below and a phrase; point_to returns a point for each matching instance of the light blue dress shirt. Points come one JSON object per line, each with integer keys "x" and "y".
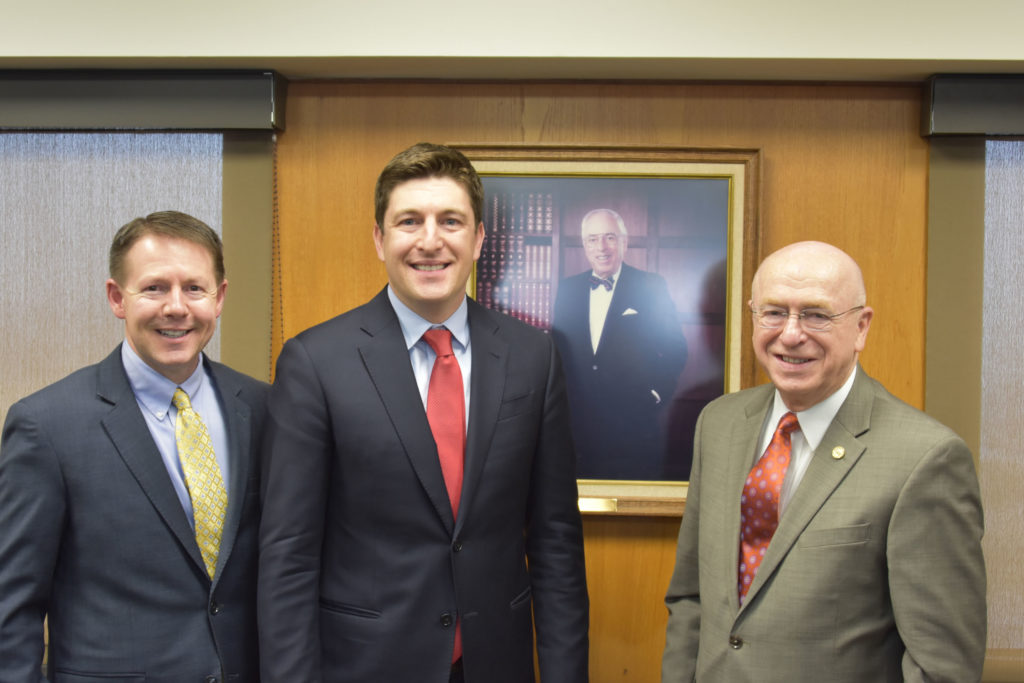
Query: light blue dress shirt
{"x": 422, "y": 356}
{"x": 153, "y": 393}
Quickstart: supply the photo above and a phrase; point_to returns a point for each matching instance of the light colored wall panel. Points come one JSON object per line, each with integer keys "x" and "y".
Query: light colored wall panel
{"x": 62, "y": 198}
{"x": 1002, "y": 393}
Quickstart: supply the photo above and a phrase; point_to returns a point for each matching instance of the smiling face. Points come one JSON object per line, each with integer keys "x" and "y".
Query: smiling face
{"x": 808, "y": 367}
{"x": 428, "y": 242}
{"x": 169, "y": 299}
{"x": 604, "y": 242}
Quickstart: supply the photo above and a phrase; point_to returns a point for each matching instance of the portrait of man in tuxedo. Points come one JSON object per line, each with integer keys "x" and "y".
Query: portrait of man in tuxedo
{"x": 619, "y": 335}
{"x": 421, "y": 521}
{"x": 129, "y": 491}
{"x": 831, "y": 532}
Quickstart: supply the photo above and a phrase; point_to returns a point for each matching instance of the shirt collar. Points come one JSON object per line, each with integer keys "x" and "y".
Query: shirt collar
{"x": 413, "y": 326}
{"x": 152, "y": 390}
{"x": 815, "y": 420}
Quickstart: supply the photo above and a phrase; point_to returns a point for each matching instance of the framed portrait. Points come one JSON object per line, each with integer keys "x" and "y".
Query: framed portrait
{"x": 636, "y": 261}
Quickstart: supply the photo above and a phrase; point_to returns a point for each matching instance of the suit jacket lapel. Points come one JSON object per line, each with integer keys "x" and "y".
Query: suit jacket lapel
{"x": 127, "y": 430}
{"x": 237, "y": 416}
{"x": 490, "y": 358}
{"x": 823, "y": 476}
{"x": 383, "y": 354}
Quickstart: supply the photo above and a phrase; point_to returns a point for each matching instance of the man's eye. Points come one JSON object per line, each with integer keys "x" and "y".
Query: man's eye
{"x": 772, "y": 314}
{"x": 817, "y": 316}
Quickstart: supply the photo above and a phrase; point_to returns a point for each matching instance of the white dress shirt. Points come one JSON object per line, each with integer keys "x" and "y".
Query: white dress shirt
{"x": 814, "y": 423}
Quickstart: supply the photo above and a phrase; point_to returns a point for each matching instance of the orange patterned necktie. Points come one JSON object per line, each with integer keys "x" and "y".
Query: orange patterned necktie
{"x": 446, "y": 413}
{"x": 202, "y": 477}
{"x": 759, "y": 505}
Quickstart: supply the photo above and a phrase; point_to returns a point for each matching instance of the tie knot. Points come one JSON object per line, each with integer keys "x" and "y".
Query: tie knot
{"x": 607, "y": 283}
{"x": 788, "y": 424}
{"x": 440, "y": 339}
{"x": 180, "y": 400}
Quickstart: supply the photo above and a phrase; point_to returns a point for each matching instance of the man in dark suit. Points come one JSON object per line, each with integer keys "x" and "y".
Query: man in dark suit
{"x": 865, "y": 563}
{"x": 617, "y": 330}
{"x": 102, "y": 526}
{"x": 398, "y": 546}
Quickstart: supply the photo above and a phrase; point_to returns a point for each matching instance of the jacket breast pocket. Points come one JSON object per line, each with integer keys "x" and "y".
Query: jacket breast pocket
{"x": 516, "y": 403}
{"x": 844, "y": 535}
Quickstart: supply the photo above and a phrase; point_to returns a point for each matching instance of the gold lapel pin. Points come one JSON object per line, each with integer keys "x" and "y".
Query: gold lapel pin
{"x": 838, "y": 453}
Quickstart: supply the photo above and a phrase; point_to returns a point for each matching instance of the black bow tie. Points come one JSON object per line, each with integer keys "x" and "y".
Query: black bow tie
{"x": 596, "y": 282}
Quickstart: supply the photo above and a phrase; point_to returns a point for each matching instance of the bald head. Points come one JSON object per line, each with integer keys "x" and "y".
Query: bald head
{"x": 810, "y": 279}
{"x": 817, "y": 260}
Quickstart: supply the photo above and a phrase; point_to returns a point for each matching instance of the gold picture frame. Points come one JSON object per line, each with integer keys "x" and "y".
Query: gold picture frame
{"x": 535, "y": 195}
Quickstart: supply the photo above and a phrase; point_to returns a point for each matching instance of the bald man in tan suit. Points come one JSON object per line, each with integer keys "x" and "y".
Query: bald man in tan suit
{"x": 875, "y": 571}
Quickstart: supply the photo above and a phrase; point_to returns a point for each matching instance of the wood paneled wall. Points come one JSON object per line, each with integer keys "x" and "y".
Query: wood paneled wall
{"x": 840, "y": 163}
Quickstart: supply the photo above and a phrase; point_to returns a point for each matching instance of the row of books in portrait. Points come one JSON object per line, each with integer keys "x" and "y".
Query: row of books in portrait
{"x": 510, "y": 257}
{"x": 530, "y": 213}
{"x": 526, "y": 301}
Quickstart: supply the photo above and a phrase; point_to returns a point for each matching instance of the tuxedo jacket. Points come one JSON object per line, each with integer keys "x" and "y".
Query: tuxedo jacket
{"x": 619, "y": 393}
{"x": 875, "y": 572}
{"x": 94, "y": 537}
{"x": 363, "y": 570}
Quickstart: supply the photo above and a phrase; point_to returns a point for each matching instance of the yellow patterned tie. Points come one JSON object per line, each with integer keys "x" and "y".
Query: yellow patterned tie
{"x": 202, "y": 477}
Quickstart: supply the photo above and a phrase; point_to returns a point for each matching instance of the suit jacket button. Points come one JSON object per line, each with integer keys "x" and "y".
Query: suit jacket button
{"x": 211, "y": 679}
{"x": 735, "y": 642}
{"x": 457, "y": 546}
{"x": 446, "y": 620}
{"x": 214, "y": 608}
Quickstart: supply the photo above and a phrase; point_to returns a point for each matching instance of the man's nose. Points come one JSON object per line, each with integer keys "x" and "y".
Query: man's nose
{"x": 174, "y": 300}
{"x": 792, "y": 329}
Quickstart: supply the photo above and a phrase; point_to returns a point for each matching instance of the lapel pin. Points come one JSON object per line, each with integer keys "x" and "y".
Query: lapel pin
{"x": 838, "y": 453}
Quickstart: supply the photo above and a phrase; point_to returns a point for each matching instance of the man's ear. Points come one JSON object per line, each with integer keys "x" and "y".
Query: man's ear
{"x": 378, "y": 240}
{"x": 863, "y": 323}
{"x": 221, "y": 291}
{"x": 115, "y": 297}
{"x": 479, "y": 240}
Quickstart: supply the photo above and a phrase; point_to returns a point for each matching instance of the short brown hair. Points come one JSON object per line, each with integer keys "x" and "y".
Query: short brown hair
{"x": 427, "y": 160}
{"x": 174, "y": 224}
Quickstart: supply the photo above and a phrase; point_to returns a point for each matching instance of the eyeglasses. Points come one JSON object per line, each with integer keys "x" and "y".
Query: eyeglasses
{"x": 810, "y": 319}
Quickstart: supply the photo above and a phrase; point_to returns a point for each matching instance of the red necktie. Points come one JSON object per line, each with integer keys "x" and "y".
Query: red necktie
{"x": 446, "y": 413}
{"x": 759, "y": 505}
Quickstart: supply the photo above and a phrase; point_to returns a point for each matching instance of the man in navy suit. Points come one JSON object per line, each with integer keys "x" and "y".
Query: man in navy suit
{"x": 617, "y": 330}
{"x": 376, "y": 564}
{"x": 97, "y": 524}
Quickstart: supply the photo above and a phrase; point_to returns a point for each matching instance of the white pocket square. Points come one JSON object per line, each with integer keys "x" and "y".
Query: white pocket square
{"x": 629, "y": 311}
